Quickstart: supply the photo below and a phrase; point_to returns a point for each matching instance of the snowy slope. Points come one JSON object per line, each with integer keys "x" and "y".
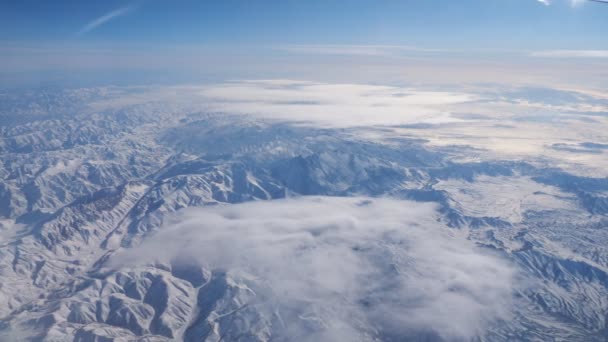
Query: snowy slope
{"x": 139, "y": 221}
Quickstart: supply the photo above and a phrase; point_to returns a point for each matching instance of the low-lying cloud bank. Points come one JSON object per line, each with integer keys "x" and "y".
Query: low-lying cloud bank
{"x": 380, "y": 267}
{"x": 334, "y": 105}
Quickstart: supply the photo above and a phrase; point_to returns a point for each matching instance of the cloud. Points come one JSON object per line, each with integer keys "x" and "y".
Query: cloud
{"x": 574, "y": 3}
{"x": 571, "y": 54}
{"x": 357, "y": 50}
{"x": 104, "y": 19}
{"x": 354, "y": 266}
{"x": 334, "y": 105}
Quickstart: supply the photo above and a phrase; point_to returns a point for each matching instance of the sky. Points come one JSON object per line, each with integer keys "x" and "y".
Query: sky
{"x": 41, "y": 37}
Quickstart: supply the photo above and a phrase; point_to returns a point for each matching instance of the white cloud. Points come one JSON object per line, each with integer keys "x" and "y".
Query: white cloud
{"x": 345, "y": 262}
{"x": 104, "y": 19}
{"x": 334, "y": 105}
{"x": 361, "y": 50}
{"x": 574, "y": 3}
{"x": 571, "y": 54}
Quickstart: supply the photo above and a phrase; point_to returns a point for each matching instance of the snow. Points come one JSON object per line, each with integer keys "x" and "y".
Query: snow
{"x": 477, "y": 191}
{"x": 507, "y": 198}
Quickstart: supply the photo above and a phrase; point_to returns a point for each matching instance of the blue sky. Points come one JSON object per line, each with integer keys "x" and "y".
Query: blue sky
{"x": 86, "y": 35}
{"x": 437, "y": 24}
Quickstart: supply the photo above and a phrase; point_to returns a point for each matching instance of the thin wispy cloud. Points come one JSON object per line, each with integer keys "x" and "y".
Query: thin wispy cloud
{"x": 571, "y": 54}
{"x": 92, "y": 25}
{"x": 358, "y": 50}
{"x": 574, "y": 3}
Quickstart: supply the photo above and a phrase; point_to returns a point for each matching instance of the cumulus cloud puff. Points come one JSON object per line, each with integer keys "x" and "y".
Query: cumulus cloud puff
{"x": 379, "y": 267}
{"x": 334, "y": 105}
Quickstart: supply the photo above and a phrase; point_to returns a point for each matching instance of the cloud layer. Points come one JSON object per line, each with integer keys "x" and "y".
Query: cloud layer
{"x": 380, "y": 267}
{"x": 360, "y": 50}
{"x": 572, "y": 2}
{"x": 334, "y": 105}
{"x": 571, "y": 54}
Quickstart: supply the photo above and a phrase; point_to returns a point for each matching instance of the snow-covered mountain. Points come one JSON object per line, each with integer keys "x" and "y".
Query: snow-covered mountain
{"x": 262, "y": 211}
